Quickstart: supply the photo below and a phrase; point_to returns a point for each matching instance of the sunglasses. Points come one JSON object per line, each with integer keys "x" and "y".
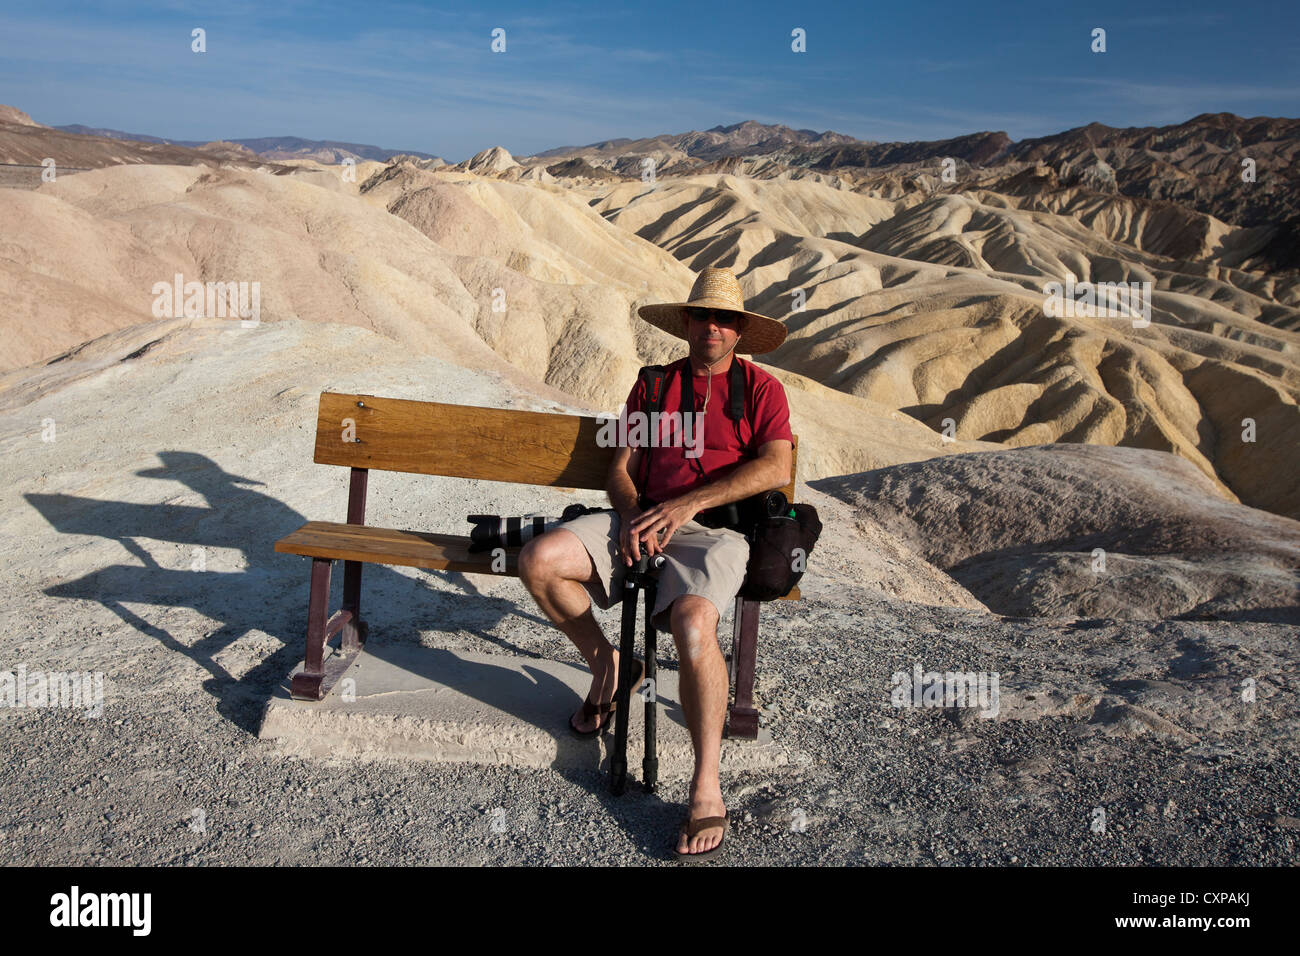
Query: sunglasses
{"x": 721, "y": 318}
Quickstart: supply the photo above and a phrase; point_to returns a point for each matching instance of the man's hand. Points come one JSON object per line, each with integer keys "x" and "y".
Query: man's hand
{"x": 654, "y": 528}
{"x": 628, "y": 545}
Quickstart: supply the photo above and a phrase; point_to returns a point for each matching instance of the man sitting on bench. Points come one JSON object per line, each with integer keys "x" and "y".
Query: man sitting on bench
{"x": 678, "y": 513}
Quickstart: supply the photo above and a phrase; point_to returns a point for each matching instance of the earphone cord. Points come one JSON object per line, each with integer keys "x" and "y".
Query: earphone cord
{"x": 708, "y": 379}
{"x": 708, "y": 390}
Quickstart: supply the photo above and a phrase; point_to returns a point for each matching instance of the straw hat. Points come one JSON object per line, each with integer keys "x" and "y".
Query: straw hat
{"x": 717, "y": 289}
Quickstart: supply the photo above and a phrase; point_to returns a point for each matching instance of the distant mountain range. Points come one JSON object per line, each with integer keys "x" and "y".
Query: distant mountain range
{"x": 1241, "y": 170}
{"x": 750, "y": 138}
{"x": 268, "y": 147}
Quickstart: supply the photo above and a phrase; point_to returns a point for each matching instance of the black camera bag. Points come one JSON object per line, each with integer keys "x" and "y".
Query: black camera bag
{"x": 780, "y": 542}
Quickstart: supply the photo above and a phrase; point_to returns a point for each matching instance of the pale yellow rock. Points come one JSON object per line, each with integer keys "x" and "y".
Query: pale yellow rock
{"x": 913, "y": 318}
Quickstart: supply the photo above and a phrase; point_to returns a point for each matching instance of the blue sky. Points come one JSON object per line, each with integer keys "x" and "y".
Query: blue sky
{"x": 422, "y": 75}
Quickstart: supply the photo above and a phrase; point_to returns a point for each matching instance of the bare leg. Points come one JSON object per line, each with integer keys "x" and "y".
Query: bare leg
{"x": 554, "y": 568}
{"x": 704, "y": 704}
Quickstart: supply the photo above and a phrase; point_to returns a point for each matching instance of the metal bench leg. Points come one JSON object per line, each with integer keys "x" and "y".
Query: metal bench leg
{"x": 307, "y": 684}
{"x": 353, "y": 634}
{"x": 742, "y": 718}
{"x": 354, "y": 629}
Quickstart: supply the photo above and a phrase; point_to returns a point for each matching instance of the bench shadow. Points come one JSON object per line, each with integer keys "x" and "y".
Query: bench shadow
{"x": 267, "y": 592}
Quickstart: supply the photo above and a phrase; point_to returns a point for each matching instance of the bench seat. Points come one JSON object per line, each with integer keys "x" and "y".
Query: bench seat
{"x": 415, "y": 549}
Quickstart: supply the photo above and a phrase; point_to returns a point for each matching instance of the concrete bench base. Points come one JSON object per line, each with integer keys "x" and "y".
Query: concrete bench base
{"x": 422, "y": 703}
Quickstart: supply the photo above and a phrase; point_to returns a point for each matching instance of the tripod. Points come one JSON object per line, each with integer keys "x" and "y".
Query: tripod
{"x": 641, "y": 576}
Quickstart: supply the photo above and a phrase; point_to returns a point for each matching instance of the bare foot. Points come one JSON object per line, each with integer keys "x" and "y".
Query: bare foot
{"x": 706, "y": 801}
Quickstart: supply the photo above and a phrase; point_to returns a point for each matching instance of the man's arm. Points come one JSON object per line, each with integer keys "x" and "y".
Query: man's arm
{"x": 619, "y": 485}
{"x": 770, "y": 470}
{"x": 622, "y": 495}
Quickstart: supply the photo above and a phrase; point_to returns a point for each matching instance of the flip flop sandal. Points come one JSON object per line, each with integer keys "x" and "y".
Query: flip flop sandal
{"x": 692, "y": 829}
{"x": 590, "y": 710}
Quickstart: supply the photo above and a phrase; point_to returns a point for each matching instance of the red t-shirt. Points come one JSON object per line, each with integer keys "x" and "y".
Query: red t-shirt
{"x": 672, "y": 472}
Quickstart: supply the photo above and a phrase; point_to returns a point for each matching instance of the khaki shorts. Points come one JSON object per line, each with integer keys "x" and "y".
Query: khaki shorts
{"x": 709, "y": 562}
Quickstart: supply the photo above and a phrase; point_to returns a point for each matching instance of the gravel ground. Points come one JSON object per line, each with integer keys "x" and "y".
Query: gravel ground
{"x": 146, "y": 534}
{"x": 873, "y": 784}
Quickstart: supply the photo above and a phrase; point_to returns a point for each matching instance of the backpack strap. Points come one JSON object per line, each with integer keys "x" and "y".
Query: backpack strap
{"x": 736, "y": 390}
{"x": 655, "y": 377}
{"x": 687, "y": 401}
{"x": 738, "y": 402}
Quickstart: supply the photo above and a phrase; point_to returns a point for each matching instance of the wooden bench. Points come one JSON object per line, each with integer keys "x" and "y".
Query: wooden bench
{"x": 365, "y": 433}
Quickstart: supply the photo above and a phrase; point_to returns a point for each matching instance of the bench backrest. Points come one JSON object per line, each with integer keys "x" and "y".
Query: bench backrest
{"x": 466, "y": 441}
